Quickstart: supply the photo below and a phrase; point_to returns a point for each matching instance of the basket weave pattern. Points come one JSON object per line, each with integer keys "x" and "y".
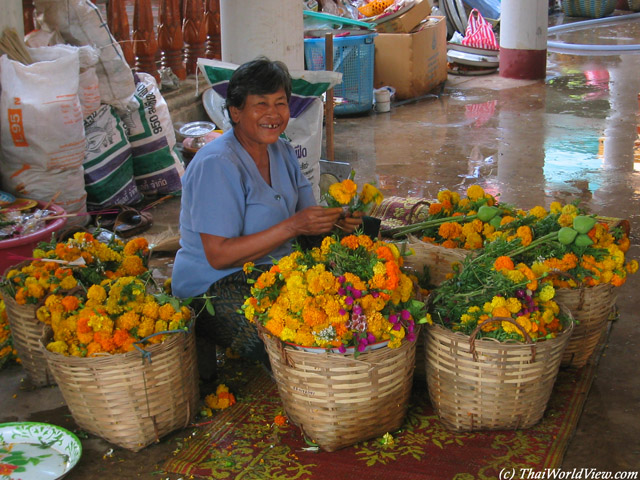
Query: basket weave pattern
{"x": 588, "y": 8}
{"x": 127, "y": 399}
{"x": 591, "y": 307}
{"x": 26, "y": 331}
{"x": 338, "y": 400}
{"x": 506, "y": 387}
{"x": 439, "y": 260}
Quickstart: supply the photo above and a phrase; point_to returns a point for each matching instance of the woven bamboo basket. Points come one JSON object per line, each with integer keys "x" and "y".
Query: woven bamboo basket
{"x": 338, "y": 400}
{"x": 483, "y": 384}
{"x": 438, "y": 260}
{"x": 26, "y": 331}
{"x": 130, "y": 399}
{"x": 591, "y": 308}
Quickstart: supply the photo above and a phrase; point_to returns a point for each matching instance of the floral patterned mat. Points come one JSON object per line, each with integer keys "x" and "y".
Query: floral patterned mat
{"x": 244, "y": 442}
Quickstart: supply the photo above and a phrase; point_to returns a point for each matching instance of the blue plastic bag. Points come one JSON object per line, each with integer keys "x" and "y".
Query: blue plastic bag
{"x": 488, "y": 8}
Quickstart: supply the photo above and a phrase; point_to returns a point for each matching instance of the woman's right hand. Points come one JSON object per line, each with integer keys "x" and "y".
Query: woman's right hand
{"x": 315, "y": 220}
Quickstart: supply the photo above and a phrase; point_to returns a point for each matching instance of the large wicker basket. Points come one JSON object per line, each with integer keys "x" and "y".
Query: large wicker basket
{"x": 130, "y": 399}
{"x": 437, "y": 259}
{"x": 591, "y": 308}
{"x": 487, "y": 385}
{"x": 26, "y": 331}
{"x": 338, "y": 400}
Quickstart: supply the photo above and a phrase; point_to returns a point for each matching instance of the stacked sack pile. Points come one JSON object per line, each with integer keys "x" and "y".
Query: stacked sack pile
{"x": 82, "y": 128}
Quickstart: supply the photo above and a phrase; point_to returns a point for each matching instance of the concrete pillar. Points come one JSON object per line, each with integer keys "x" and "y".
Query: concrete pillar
{"x": 523, "y": 39}
{"x": 273, "y": 28}
{"x": 12, "y": 16}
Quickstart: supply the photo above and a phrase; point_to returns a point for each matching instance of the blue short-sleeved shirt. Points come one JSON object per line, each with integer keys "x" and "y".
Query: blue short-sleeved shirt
{"x": 224, "y": 194}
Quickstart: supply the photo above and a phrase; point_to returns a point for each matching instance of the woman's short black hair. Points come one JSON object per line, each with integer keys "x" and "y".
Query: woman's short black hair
{"x": 257, "y": 77}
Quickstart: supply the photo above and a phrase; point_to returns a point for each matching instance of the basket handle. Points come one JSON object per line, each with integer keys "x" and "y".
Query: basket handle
{"x": 146, "y": 355}
{"x": 581, "y": 286}
{"x": 527, "y": 337}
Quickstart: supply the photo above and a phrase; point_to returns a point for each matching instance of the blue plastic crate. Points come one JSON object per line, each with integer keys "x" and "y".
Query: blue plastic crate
{"x": 353, "y": 57}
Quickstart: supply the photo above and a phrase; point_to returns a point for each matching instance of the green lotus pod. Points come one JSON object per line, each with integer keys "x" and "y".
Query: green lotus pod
{"x": 583, "y": 240}
{"x": 566, "y": 235}
{"x": 486, "y": 213}
{"x": 583, "y": 223}
{"x": 495, "y": 221}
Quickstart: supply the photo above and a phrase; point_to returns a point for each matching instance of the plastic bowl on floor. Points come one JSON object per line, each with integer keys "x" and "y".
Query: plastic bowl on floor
{"x": 14, "y": 250}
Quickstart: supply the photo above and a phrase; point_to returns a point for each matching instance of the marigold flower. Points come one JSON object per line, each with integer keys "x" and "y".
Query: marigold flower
{"x": 475, "y": 192}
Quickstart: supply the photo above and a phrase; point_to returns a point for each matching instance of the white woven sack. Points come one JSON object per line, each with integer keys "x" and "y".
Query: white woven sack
{"x": 80, "y": 23}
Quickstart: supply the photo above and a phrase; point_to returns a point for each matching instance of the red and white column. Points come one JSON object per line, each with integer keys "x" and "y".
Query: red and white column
{"x": 523, "y": 39}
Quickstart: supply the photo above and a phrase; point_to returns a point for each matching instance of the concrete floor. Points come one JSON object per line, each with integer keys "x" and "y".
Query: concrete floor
{"x": 571, "y": 137}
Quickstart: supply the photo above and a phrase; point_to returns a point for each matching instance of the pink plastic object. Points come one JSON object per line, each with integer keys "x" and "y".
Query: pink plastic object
{"x": 13, "y": 250}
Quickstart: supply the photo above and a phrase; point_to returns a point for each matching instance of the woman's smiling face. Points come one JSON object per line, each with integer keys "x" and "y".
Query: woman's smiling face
{"x": 262, "y": 119}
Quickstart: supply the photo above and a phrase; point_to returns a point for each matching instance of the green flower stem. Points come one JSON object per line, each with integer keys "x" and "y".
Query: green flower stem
{"x": 535, "y": 243}
{"x": 398, "y": 231}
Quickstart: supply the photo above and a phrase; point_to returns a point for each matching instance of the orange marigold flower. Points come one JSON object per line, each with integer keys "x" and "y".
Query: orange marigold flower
{"x": 350, "y": 241}
{"x": 70, "y": 303}
{"x": 280, "y": 420}
{"x": 449, "y": 244}
{"x": 450, "y": 230}
{"x": 435, "y": 208}
{"x": 503, "y": 263}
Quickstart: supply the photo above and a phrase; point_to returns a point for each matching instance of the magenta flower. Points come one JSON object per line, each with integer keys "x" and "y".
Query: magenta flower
{"x": 405, "y": 314}
{"x": 342, "y": 348}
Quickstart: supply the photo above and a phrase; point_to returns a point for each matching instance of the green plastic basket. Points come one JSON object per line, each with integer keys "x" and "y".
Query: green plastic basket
{"x": 588, "y": 8}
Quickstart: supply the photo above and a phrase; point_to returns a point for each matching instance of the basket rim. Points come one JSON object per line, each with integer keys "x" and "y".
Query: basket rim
{"x": 510, "y": 342}
{"x": 147, "y": 352}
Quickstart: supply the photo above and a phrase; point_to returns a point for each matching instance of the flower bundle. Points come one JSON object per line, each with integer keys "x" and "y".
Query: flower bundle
{"x": 346, "y": 293}
{"x": 110, "y": 318}
{"x": 7, "y": 351}
{"x": 345, "y": 194}
{"x": 492, "y": 285}
{"x": 81, "y": 260}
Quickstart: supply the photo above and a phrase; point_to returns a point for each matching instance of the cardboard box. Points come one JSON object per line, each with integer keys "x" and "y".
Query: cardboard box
{"x": 406, "y": 22}
{"x": 412, "y": 63}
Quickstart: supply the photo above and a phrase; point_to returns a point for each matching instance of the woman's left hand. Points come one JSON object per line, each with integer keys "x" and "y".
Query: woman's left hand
{"x": 349, "y": 223}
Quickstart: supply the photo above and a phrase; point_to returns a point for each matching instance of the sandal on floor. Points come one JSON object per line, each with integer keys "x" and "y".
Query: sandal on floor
{"x": 130, "y": 222}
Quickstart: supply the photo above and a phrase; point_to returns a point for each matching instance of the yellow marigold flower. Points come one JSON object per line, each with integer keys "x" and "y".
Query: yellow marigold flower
{"x": 538, "y": 212}
{"x": 248, "y": 267}
{"x": 39, "y": 253}
{"x": 370, "y": 194}
{"x": 136, "y": 245}
{"x": 466, "y": 318}
{"x": 128, "y": 320}
{"x": 525, "y": 235}
{"x": 146, "y": 327}
{"x": 547, "y": 293}
{"x": 565, "y": 220}
{"x": 68, "y": 283}
{"x": 166, "y": 311}
{"x": 444, "y": 196}
{"x": 513, "y": 305}
{"x": 632, "y": 266}
{"x": 570, "y": 209}
{"x": 498, "y": 302}
{"x": 343, "y": 192}
{"x": 43, "y": 315}
{"x": 150, "y": 309}
{"x": 132, "y": 266}
{"x": 555, "y": 207}
{"x": 58, "y": 347}
{"x": 475, "y": 192}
